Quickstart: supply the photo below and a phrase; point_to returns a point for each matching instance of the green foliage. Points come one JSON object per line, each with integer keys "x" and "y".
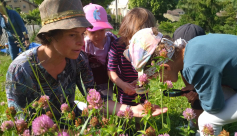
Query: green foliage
{"x": 33, "y": 17}
{"x": 203, "y": 13}
{"x": 157, "y": 7}
{"x": 103, "y": 3}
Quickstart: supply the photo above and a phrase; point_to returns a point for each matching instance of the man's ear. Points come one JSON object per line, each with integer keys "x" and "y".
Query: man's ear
{"x": 166, "y": 66}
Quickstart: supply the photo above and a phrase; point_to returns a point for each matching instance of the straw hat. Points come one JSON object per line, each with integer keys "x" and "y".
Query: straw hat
{"x": 62, "y": 14}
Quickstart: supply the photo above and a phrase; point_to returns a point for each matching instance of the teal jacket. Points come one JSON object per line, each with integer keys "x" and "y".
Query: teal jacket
{"x": 210, "y": 61}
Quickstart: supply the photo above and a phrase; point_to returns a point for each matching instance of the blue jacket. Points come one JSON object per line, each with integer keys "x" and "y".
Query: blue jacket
{"x": 17, "y": 23}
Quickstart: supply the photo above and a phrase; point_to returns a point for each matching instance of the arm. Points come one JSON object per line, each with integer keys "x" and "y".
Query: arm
{"x": 138, "y": 111}
{"x": 18, "y": 85}
{"x": 22, "y": 27}
{"x": 207, "y": 82}
{"x": 126, "y": 87}
{"x": 113, "y": 67}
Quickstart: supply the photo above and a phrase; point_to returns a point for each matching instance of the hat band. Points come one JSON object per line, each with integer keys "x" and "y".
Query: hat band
{"x": 62, "y": 16}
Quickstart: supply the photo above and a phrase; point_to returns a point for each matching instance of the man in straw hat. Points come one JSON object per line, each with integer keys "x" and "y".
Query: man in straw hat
{"x": 59, "y": 63}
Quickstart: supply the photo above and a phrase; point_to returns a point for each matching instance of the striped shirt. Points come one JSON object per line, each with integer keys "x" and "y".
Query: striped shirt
{"x": 125, "y": 71}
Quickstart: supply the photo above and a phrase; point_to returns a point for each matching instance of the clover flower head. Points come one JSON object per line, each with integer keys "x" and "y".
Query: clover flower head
{"x": 163, "y": 53}
{"x": 42, "y": 124}
{"x": 148, "y": 107}
{"x": 35, "y": 104}
{"x": 169, "y": 84}
{"x": 143, "y": 79}
{"x": 120, "y": 114}
{"x": 21, "y": 125}
{"x": 6, "y": 125}
{"x": 150, "y": 131}
{"x": 26, "y": 132}
{"x": 85, "y": 112}
{"x": 189, "y": 114}
{"x": 208, "y": 129}
{"x": 153, "y": 62}
{"x": 164, "y": 134}
{"x": 128, "y": 113}
{"x": 43, "y": 101}
{"x": 3, "y": 103}
{"x": 65, "y": 108}
{"x": 94, "y": 99}
{"x": 94, "y": 121}
{"x": 123, "y": 134}
{"x": 63, "y": 134}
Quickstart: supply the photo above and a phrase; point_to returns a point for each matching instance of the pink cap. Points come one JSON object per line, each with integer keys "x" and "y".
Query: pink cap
{"x": 97, "y": 16}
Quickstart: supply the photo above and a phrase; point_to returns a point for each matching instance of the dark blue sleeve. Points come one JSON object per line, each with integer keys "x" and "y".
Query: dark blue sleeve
{"x": 0, "y": 24}
{"x": 20, "y": 22}
{"x": 207, "y": 82}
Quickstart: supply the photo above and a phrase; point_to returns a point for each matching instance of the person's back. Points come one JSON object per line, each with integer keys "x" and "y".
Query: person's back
{"x": 214, "y": 59}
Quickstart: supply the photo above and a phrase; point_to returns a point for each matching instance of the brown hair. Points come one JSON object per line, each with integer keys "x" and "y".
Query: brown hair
{"x": 135, "y": 20}
{"x": 52, "y": 34}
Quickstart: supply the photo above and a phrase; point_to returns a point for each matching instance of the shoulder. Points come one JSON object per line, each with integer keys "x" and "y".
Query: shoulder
{"x": 110, "y": 34}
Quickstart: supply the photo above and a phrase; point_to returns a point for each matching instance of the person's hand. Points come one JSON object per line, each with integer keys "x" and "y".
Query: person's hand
{"x": 129, "y": 89}
{"x": 27, "y": 43}
{"x": 138, "y": 111}
{"x": 191, "y": 96}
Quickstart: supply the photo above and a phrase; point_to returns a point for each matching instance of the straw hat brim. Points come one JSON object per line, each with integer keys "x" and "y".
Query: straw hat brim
{"x": 65, "y": 24}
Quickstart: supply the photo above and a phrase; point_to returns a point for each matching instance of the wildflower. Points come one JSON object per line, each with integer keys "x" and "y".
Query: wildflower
{"x": 235, "y": 133}
{"x": 3, "y": 103}
{"x": 43, "y": 101}
{"x": 208, "y": 130}
{"x": 163, "y": 53}
{"x": 85, "y": 112}
{"x": 153, "y": 62}
{"x": 148, "y": 107}
{"x": 48, "y": 113}
{"x": 120, "y": 114}
{"x": 169, "y": 84}
{"x": 189, "y": 114}
{"x": 54, "y": 128}
{"x": 128, "y": 113}
{"x": 143, "y": 79}
{"x": 105, "y": 121}
{"x": 123, "y": 135}
{"x": 164, "y": 135}
{"x": 21, "y": 125}
{"x": 71, "y": 115}
{"x": 63, "y": 134}
{"x": 26, "y": 132}
{"x": 35, "y": 104}
{"x": 78, "y": 122}
{"x": 224, "y": 133}
{"x": 65, "y": 108}
{"x": 94, "y": 99}
{"x": 11, "y": 112}
{"x": 150, "y": 131}
{"x": 6, "y": 125}
{"x": 42, "y": 124}
{"x": 94, "y": 121}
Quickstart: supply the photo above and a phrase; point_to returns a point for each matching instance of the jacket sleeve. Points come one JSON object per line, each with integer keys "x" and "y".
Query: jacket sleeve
{"x": 207, "y": 82}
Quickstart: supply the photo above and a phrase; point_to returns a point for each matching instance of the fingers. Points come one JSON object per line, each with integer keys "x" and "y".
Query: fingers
{"x": 159, "y": 111}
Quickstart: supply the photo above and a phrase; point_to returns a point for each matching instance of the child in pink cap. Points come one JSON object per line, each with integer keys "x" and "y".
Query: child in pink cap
{"x": 97, "y": 45}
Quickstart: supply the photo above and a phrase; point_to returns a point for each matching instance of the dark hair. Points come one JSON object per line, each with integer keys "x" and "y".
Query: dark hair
{"x": 52, "y": 34}
{"x": 4, "y": 3}
{"x": 135, "y": 20}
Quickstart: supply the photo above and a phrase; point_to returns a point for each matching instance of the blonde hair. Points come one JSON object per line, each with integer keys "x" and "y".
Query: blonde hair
{"x": 135, "y": 20}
